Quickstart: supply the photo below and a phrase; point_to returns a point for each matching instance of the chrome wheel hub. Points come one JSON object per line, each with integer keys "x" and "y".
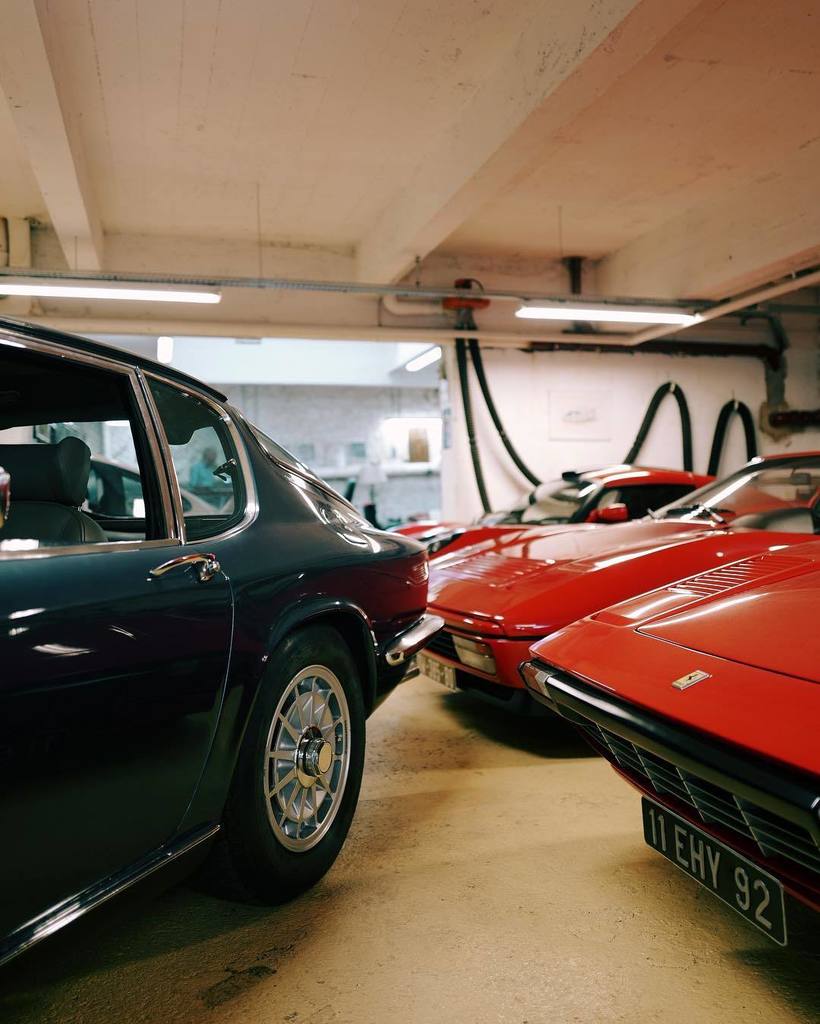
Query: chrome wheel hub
{"x": 314, "y": 756}
{"x": 308, "y": 755}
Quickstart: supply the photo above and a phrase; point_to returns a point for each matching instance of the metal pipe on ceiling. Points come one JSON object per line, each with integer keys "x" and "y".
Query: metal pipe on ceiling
{"x": 706, "y": 311}
{"x": 332, "y": 287}
{"x": 320, "y": 332}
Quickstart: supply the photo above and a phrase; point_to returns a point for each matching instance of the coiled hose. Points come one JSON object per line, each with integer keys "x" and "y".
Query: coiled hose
{"x": 721, "y": 430}
{"x": 649, "y": 416}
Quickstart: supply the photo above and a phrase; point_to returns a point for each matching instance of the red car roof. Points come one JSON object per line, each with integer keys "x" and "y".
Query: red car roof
{"x": 614, "y": 476}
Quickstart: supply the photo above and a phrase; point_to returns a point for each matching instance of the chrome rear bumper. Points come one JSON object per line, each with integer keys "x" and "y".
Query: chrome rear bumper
{"x": 413, "y": 639}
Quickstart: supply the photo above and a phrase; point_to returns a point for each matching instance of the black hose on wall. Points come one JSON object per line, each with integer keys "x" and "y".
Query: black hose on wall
{"x": 718, "y": 441}
{"x": 649, "y": 417}
{"x": 478, "y": 365}
{"x": 721, "y": 430}
{"x": 461, "y": 360}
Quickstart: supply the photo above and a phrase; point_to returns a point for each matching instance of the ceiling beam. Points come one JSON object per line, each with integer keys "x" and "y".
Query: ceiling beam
{"x": 48, "y": 136}
{"x": 566, "y": 58}
{"x": 743, "y": 239}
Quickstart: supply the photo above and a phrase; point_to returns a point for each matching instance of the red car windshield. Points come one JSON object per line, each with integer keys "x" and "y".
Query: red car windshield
{"x": 555, "y": 501}
{"x": 772, "y": 497}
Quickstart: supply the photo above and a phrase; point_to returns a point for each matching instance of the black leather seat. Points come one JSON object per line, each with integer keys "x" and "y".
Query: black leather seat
{"x": 48, "y": 484}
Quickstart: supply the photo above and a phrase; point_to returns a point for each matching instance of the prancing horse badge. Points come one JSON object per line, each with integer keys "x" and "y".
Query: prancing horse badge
{"x": 694, "y": 677}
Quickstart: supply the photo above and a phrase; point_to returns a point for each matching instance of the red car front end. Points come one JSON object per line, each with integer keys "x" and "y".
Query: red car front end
{"x": 706, "y": 696}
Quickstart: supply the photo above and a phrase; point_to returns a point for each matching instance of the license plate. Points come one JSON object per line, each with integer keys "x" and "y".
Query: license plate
{"x": 437, "y": 671}
{"x": 753, "y": 893}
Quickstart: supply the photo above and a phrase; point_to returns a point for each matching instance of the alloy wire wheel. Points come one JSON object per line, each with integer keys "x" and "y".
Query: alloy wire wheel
{"x": 308, "y": 758}
{"x": 296, "y": 783}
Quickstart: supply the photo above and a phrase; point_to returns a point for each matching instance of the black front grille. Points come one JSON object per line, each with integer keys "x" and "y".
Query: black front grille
{"x": 442, "y": 643}
{"x": 773, "y": 835}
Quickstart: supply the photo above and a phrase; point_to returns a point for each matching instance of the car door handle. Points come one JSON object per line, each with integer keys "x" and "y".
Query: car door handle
{"x": 206, "y": 566}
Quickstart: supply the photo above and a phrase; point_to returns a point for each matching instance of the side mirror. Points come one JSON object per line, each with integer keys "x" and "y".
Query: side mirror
{"x": 616, "y": 513}
{"x": 5, "y": 496}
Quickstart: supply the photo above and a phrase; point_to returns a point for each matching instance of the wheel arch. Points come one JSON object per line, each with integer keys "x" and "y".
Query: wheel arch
{"x": 350, "y": 621}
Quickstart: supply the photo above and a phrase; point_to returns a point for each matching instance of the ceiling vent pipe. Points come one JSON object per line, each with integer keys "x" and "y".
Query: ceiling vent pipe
{"x": 15, "y": 251}
{"x": 411, "y": 307}
{"x": 575, "y": 267}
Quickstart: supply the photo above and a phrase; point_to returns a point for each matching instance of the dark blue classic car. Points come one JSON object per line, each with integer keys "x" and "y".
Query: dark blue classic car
{"x": 176, "y": 676}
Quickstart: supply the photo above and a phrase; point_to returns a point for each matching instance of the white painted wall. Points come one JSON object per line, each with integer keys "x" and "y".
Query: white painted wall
{"x": 525, "y": 384}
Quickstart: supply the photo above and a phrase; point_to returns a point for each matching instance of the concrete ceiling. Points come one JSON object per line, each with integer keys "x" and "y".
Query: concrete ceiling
{"x": 672, "y": 142}
{"x": 726, "y": 100}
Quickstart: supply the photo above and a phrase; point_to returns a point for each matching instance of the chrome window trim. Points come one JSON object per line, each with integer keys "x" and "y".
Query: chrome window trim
{"x": 149, "y": 426}
{"x": 166, "y": 458}
{"x": 251, "y": 510}
{"x": 14, "y": 340}
{"x": 87, "y": 549}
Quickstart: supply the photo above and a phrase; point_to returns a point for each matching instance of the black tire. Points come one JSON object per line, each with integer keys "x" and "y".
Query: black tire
{"x": 252, "y": 852}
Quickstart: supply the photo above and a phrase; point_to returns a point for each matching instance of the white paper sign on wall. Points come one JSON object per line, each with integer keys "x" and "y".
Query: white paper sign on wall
{"x": 580, "y": 416}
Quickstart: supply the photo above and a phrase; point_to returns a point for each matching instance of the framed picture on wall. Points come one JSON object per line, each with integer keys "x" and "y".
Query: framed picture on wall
{"x": 580, "y": 416}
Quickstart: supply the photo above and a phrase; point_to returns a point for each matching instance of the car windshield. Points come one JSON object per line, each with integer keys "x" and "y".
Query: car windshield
{"x": 778, "y": 497}
{"x": 555, "y": 501}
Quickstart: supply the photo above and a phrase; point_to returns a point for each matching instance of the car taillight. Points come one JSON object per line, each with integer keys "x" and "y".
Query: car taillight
{"x": 475, "y": 653}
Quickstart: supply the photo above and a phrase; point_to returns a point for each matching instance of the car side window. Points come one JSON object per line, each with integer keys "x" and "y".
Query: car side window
{"x": 205, "y": 461}
{"x": 72, "y": 441}
{"x": 640, "y": 499}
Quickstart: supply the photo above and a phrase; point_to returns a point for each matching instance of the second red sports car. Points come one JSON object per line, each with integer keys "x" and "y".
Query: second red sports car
{"x": 498, "y": 596}
{"x": 614, "y": 494}
{"x": 705, "y": 696}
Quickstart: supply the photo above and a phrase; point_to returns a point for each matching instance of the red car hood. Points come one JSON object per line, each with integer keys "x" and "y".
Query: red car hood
{"x": 773, "y": 626}
{"x": 531, "y": 581}
{"x": 750, "y": 628}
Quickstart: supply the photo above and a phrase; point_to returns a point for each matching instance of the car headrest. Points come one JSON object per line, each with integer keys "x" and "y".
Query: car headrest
{"x": 48, "y": 472}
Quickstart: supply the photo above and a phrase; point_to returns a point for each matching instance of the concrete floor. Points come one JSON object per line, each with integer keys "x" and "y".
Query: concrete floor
{"x": 495, "y": 872}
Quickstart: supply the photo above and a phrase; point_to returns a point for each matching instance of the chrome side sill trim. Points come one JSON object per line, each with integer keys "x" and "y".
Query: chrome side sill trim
{"x": 58, "y": 916}
{"x": 413, "y": 639}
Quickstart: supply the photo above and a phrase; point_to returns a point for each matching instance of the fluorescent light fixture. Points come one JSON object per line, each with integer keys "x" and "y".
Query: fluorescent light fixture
{"x": 432, "y": 355}
{"x": 607, "y": 314}
{"x": 82, "y": 291}
{"x": 165, "y": 349}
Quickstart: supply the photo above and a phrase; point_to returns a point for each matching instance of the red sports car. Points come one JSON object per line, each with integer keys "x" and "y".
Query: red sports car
{"x": 611, "y": 495}
{"x": 705, "y": 696}
{"x": 500, "y": 595}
